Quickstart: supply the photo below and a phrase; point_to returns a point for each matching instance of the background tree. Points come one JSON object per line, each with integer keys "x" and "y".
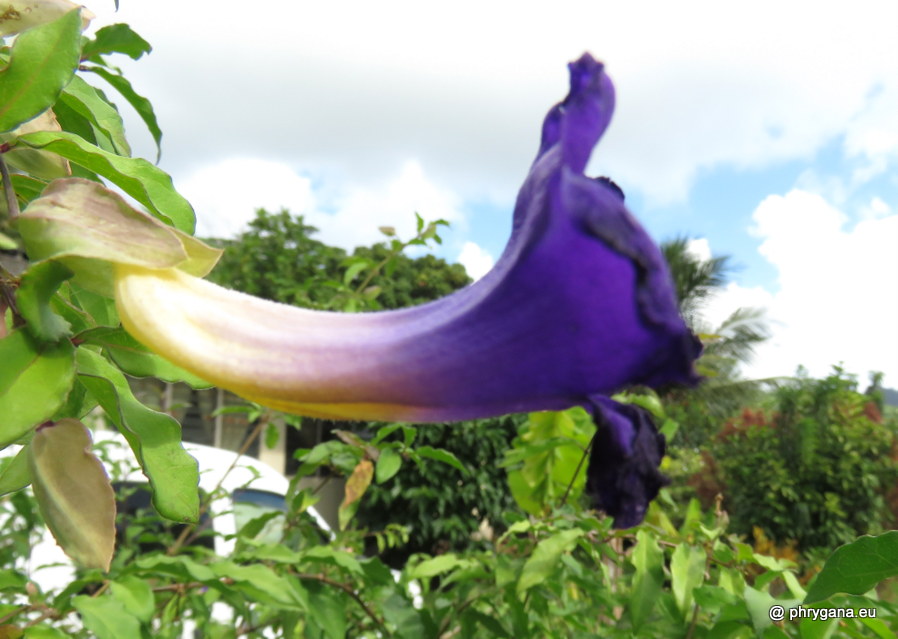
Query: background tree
{"x": 702, "y": 411}
{"x": 278, "y": 258}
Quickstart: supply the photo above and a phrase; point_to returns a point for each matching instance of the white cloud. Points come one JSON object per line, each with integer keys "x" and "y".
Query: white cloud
{"x": 226, "y": 194}
{"x": 359, "y": 86}
{"x": 699, "y": 249}
{"x": 877, "y": 208}
{"x": 477, "y": 262}
{"x": 836, "y": 300}
{"x": 873, "y": 132}
{"x": 359, "y": 212}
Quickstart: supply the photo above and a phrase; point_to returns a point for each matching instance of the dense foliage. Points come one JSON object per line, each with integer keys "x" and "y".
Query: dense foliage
{"x": 278, "y": 258}
{"x": 442, "y": 509}
{"x": 817, "y": 468}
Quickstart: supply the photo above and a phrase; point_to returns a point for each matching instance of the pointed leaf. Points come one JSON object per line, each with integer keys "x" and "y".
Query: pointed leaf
{"x": 106, "y": 618}
{"x": 327, "y": 608}
{"x": 434, "y": 566}
{"x": 687, "y": 568}
{"x": 73, "y": 492}
{"x": 154, "y": 437}
{"x": 116, "y": 38}
{"x": 388, "y": 464}
{"x": 135, "y": 595}
{"x": 38, "y": 285}
{"x": 42, "y": 61}
{"x": 440, "y": 455}
{"x": 41, "y": 164}
{"x": 263, "y": 584}
{"x": 857, "y": 567}
{"x": 90, "y": 103}
{"x": 648, "y": 559}
{"x": 544, "y": 560}
{"x": 356, "y": 486}
{"x": 141, "y": 105}
{"x": 140, "y": 179}
{"x": 14, "y": 473}
{"x": 35, "y": 379}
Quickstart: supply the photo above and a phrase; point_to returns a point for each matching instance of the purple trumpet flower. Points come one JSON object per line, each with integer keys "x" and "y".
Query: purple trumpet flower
{"x": 579, "y": 306}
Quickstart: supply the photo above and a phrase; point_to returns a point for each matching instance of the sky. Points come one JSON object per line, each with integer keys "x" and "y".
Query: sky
{"x": 766, "y": 131}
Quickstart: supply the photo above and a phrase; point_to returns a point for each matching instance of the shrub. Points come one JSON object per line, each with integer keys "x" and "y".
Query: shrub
{"x": 817, "y": 469}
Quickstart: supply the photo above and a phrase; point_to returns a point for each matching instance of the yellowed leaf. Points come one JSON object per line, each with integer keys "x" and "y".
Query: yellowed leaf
{"x": 18, "y": 15}
{"x": 356, "y": 486}
{"x": 73, "y": 492}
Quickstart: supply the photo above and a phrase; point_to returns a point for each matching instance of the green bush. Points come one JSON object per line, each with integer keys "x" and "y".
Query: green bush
{"x": 817, "y": 469}
{"x": 442, "y": 507}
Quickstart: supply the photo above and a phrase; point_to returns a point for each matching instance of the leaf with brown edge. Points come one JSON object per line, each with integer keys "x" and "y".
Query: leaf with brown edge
{"x": 73, "y": 492}
{"x": 356, "y": 486}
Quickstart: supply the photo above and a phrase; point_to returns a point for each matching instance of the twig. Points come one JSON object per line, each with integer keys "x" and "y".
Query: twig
{"x": 8, "y": 191}
{"x": 349, "y": 591}
{"x": 14, "y": 613}
{"x": 576, "y": 472}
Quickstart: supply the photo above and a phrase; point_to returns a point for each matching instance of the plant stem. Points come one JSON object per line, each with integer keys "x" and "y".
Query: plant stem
{"x": 8, "y": 191}
{"x": 576, "y": 472}
{"x": 349, "y": 591}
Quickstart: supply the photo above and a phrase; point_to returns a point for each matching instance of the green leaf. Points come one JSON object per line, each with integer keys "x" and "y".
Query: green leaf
{"x": 759, "y": 604}
{"x": 35, "y": 379}
{"x": 544, "y": 560}
{"x": 27, "y": 188}
{"x": 181, "y": 567}
{"x": 648, "y": 559}
{"x": 353, "y": 271}
{"x": 90, "y": 103}
{"x": 388, "y": 464}
{"x": 116, "y": 38}
{"x": 687, "y": 568}
{"x": 140, "y": 179}
{"x": 434, "y": 566}
{"x": 135, "y": 595}
{"x": 327, "y": 607}
{"x": 73, "y": 492}
{"x": 857, "y": 567}
{"x": 42, "y": 61}
{"x": 36, "y": 164}
{"x": 38, "y": 285}
{"x": 265, "y": 585}
{"x": 14, "y": 473}
{"x": 135, "y": 359}
{"x": 141, "y": 105}
{"x": 336, "y": 557}
{"x": 440, "y": 455}
{"x": 45, "y": 632}
{"x": 106, "y": 618}
{"x": 154, "y": 437}
{"x": 490, "y": 624}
